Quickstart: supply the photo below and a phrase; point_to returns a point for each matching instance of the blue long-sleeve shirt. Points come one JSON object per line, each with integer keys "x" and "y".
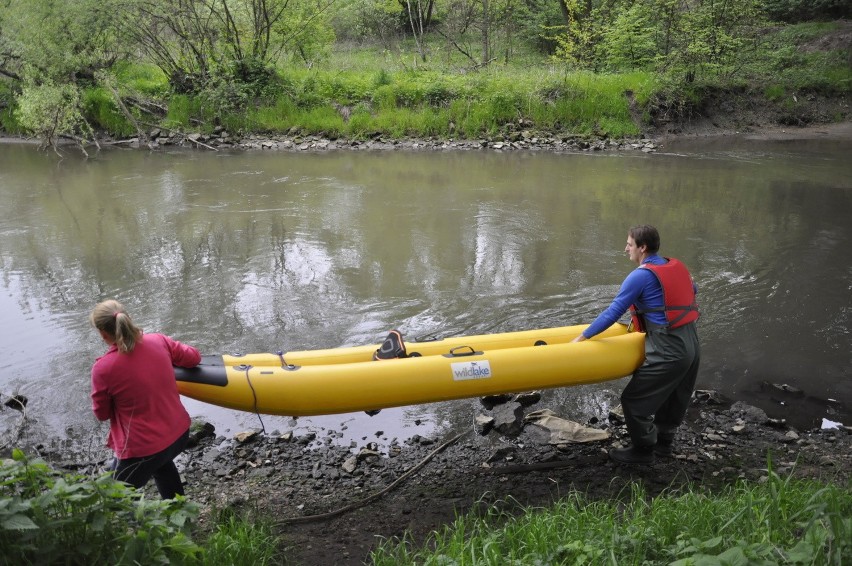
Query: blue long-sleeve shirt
{"x": 641, "y": 288}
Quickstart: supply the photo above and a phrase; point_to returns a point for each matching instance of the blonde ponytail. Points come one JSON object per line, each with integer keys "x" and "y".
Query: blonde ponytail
{"x": 111, "y": 318}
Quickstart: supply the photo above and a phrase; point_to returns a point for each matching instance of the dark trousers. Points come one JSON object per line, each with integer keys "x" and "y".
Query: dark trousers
{"x": 658, "y": 395}
{"x": 160, "y": 466}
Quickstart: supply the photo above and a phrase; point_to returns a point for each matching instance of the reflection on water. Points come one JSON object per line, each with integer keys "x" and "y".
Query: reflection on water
{"x": 240, "y": 252}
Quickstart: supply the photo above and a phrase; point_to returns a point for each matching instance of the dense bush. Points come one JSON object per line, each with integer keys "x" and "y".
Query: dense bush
{"x": 51, "y": 518}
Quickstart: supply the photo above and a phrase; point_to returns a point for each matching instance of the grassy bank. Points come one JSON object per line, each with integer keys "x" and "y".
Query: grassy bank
{"x": 363, "y": 91}
{"x": 359, "y": 104}
{"x": 47, "y": 517}
{"x": 782, "y": 521}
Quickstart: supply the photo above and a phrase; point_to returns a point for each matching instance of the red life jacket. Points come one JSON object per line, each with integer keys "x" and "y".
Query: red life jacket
{"x": 678, "y": 295}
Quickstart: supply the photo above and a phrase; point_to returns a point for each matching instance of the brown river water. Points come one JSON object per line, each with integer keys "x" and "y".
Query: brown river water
{"x": 263, "y": 251}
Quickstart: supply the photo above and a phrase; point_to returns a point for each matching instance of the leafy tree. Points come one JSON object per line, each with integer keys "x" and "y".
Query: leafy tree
{"x": 193, "y": 41}
{"x": 483, "y": 20}
{"x": 716, "y": 37}
{"x": 686, "y": 38}
{"x": 10, "y": 58}
{"x": 53, "y": 50}
{"x": 371, "y": 20}
{"x": 538, "y": 23}
{"x": 61, "y": 42}
{"x": 580, "y": 35}
{"x": 306, "y": 33}
{"x": 630, "y": 42}
{"x": 419, "y": 14}
{"x": 50, "y": 111}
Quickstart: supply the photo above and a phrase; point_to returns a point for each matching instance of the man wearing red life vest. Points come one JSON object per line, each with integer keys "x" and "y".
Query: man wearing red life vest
{"x": 660, "y": 294}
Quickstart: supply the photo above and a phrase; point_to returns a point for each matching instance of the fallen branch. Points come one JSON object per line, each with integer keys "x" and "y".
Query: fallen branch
{"x": 201, "y": 144}
{"x": 147, "y": 106}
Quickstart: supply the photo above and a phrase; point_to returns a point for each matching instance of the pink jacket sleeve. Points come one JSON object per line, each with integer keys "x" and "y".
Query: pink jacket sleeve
{"x": 183, "y": 355}
{"x": 101, "y": 400}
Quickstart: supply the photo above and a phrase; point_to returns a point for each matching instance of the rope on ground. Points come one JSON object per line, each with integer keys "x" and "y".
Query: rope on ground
{"x": 359, "y": 504}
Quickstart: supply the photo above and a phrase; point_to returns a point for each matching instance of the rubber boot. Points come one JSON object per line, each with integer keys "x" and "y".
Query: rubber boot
{"x": 664, "y": 445}
{"x": 632, "y": 455}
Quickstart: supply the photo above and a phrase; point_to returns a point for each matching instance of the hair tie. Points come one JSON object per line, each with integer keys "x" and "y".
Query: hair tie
{"x": 115, "y": 314}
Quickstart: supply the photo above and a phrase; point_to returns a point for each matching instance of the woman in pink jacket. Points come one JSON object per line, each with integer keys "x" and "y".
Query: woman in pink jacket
{"x": 133, "y": 386}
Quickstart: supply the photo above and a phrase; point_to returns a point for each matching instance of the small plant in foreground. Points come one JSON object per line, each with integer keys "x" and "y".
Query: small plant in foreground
{"x": 47, "y": 517}
{"x": 237, "y": 540}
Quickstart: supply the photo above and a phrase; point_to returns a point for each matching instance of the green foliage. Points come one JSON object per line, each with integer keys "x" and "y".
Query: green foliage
{"x": 579, "y": 36}
{"x": 540, "y": 25}
{"x": 304, "y": 32}
{"x": 631, "y": 42}
{"x": 692, "y": 41}
{"x": 220, "y": 98}
{"x": 8, "y": 115}
{"x": 142, "y": 78}
{"x": 382, "y": 78}
{"x": 239, "y": 540}
{"x": 384, "y": 97}
{"x": 277, "y": 118}
{"x": 52, "y": 518}
{"x": 425, "y": 104}
{"x": 58, "y": 42}
{"x": 194, "y": 43}
{"x": 774, "y": 92}
{"x": 782, "y": 521}
{"x": 372, "y": 20}
{"x": 439, "y": 93}
{"x": 343, "y": 88}
{"x": 783, "y": 60}
{"x": 682, "y": 50}
{"x": 253, "y": 76}
{"x": 98, "y": 107}
{"x": 323, "y": 119}
{"x": 182, "y": 108}
{"x": 718, "y": 37}
{"x": 50, "y": 110}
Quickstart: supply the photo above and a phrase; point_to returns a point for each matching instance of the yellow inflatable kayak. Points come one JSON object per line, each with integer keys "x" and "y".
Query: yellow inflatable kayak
{"x": 499, "y": 341}
{"x": 462, "y": 367}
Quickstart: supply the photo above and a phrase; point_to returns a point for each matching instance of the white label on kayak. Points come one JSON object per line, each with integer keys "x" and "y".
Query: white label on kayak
{"x": 471, "y": 370}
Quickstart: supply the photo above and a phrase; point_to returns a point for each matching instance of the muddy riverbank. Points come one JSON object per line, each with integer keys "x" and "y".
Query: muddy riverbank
{"x": 333, "y": 503}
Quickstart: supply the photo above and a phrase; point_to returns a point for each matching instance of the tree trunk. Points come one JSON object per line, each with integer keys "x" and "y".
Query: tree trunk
{"x": 486, "y": 29}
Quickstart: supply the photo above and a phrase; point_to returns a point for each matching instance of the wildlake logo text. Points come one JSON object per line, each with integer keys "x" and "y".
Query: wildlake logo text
{"x": 471, "y": 370}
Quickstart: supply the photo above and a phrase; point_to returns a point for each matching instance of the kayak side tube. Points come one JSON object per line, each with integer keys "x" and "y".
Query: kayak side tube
{"x": 347, "y": 387}
{"x": 485, "y": 342}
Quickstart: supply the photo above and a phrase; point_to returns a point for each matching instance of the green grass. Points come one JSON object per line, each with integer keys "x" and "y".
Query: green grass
{"x": 239, "y": 540}
{"x": 424, "y": 104}
{"x": 785, "y": 61}
{"x": 101, "y": 111}
{"x": 143, "y": 78}
{"x": 364, "y": 91}
{"x": 782, "y": 521}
